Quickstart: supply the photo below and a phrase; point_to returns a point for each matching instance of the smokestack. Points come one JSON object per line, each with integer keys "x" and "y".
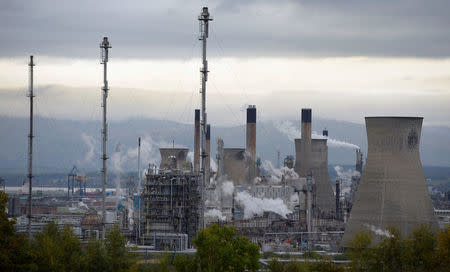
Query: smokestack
{"x": 197, "y": 141}
{"x": 312, "y": 159}
{"x": 359, "y": 161}
{"x": 338, "y": 203}
{"x": 392, "y": 191}
{"x": 208, "y": 154}
{"x": 219, "y": 157}
{"x": 306, "y": 142}
{"x": 250, "y": 147}
{"x": 325, "y": 132}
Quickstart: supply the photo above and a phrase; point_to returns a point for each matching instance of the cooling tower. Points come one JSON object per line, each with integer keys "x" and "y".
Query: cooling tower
{"x": 197, "y": 141}
{"x": 179, "y": 153}
{"x": 317, "y": 162}
{"x": 392, "y": 190}
{"x": 250, "y": 146}
{"x": 234, "y": 165}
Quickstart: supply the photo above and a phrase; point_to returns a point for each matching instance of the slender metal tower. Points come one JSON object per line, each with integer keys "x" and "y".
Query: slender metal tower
{"x": 204, "y": 25}
{"x": 30, "y": 147}
{"x": 104, "y": 60}
{"x": 138, "y": 231}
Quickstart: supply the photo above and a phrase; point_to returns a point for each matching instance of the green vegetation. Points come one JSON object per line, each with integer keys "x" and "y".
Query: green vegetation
{"x": 222, "y": 249}
{"x": 60, "y": 250}
{"x": 422, "y": 250}
{"x": 219, "y": 248}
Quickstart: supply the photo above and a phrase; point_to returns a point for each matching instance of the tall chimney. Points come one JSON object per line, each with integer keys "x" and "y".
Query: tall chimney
{"x": 306, "y": 142}
{"x": 338, "y": 202}
{"x": 359, "y": 161}
{"x": 197, "y": 141}
{"x": 208, "y": 154}
{"x": 392, "y": 191}
{"x": 250, "y": 147}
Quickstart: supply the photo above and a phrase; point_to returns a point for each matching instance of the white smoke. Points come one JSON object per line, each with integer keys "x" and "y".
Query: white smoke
{"x": 91, "y": 144}
{"x": 117, "y": 160}
{"x": 378, "y": 231}
{"x": 257, "y": 206}
{"x": 213, "y": 165}
{"x": 346, "y": 175}
{"x": 276, "y": 174}
{"x": 346, "y": 178}
{"x": 227, "y": 188}
{"x": 214, "y": 213}
{"x": 287, "y": 128}
{"x": 334, "y": 143}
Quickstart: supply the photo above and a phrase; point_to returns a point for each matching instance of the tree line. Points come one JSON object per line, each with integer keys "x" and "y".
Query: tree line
{"x": 219, "y": 249}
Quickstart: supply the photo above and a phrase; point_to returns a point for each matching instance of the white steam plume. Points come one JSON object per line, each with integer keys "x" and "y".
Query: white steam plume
{"x": 214, "y": 213}
{"x": 227, "y": 188}
{"x": 276, "y": 174}
{"x": 90, "y": 142}
{"x": 257, "y": 206}
{"x": 378, "y": 231}
{"x": 287, "y": 128}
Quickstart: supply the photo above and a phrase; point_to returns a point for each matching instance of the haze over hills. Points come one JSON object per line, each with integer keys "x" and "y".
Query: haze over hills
{"x": 60, "y": 144}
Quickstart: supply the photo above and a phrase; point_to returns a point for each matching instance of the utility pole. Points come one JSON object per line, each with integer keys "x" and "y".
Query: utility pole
{"x": 138, "y": 230}
{"x": 104, "y": 60}
{"x": 30, "y": 147}
{"x": 204, "y": 25}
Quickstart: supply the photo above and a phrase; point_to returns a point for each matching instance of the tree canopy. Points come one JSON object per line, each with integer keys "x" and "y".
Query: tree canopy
{"x": 220, "y": 248}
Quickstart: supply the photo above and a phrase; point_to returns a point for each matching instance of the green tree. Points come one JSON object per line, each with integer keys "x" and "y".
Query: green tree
{"x": 360, "y": 253}
{"x": 118, "y": 255}
{"x": 389, "y": 252}
{"x": 419, "y": 250}
{"x": 443, "y": 250}
{"x": 57, "y": 250}
{"x": 185, "y": 263}
{"x": 94, "y": 257}
{"x": 222, "y": 249}
{"x": 15, "y": 251}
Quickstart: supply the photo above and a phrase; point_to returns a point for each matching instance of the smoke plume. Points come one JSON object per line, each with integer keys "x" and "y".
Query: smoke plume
{"x": 287, "y": 128}
{"x": 257, "y": 206}
{"x": 227, "y": 188}
{"x": 378, "y": 231}
{"x": 277, "y": 174}
{"x": 214, "y": 213}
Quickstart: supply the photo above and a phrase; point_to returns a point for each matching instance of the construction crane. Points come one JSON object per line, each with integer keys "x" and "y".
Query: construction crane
{"x": 73, "y": 177}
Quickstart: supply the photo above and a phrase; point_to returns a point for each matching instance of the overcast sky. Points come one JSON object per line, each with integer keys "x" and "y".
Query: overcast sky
{"x": 346, "y": 59}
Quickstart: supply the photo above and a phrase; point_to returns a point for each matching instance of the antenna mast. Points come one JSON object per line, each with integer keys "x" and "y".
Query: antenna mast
{"x": 204, "y": 22}
{"x": 30, "y": 146}
{"x": 104, "y": 60}
{"x": 138, "y": 231}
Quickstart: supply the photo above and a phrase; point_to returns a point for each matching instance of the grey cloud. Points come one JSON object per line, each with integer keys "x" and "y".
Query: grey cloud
{"x": 168, "y": 29}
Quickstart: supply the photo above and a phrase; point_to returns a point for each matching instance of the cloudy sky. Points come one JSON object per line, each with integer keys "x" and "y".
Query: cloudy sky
{"x": 345, "y": 59}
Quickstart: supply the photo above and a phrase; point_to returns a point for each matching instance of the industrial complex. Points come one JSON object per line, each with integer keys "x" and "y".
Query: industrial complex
{"x": 293, "y": 207}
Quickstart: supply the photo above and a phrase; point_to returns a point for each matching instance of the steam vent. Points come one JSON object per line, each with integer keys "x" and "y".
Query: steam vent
{"x": 392, "y": 191}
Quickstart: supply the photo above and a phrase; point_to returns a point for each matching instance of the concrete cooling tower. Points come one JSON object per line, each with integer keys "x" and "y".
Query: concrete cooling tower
{"x": 312, "y": 158}
{"x": 392, "y": 190}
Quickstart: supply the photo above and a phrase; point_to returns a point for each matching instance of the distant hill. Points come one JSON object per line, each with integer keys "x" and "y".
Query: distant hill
{"x": 60, "y": 144}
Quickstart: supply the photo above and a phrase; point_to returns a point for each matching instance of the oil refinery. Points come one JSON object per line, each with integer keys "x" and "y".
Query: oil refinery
{"x": 293, "y": 207}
